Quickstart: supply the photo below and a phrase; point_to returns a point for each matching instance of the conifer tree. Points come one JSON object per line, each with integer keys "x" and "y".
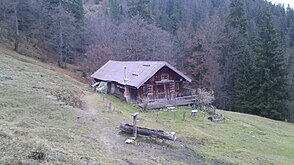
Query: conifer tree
{"x": 140, "y": 7}
{"x": 237, "y": 18}
{"x": 271, "y": 74}
{"x": 245, "y": 84}
{"x": 115, "y": 9}
{"x": 290, "y": 25}
{"x": 236, "y": 39}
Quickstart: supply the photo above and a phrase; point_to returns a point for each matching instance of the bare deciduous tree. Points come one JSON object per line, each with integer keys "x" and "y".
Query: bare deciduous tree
{"x": 204, "y": 97}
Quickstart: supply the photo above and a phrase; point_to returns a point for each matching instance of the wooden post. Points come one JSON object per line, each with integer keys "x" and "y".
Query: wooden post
{"x": 157, "y": 116}
{"x": 174, "y": 114}
{"x": 184, "y": 116}
{"x": 135, "y": 129}
{"x": 165, "y": 91}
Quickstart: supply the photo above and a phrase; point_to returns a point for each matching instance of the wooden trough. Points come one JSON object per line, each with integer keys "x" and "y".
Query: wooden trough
{"x": 148, "y": 132}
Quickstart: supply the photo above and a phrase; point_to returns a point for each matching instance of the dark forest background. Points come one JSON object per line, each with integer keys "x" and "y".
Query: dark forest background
{"x": 241, "y": 49}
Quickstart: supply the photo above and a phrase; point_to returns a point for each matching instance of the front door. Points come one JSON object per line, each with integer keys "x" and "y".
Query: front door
{"x": 161, "y": 91}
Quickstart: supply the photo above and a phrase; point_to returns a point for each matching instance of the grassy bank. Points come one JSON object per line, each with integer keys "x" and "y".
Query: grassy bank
{"x": 36, "y": 115}
{"x": 239, "y": 139}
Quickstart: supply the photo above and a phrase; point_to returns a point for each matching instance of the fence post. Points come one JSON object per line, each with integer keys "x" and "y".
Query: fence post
{"x": 174, "y": 111}
{"x": 184, "y": 116}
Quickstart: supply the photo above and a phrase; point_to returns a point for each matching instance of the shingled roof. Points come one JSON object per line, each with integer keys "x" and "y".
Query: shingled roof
{"x": 138, "y": 72}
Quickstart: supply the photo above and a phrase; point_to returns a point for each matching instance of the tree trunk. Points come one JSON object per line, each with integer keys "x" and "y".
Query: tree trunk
{"x": 60, "y": 44}
{"x": 16, "y": 43}
{"x": 148, "y": 132}
{"x": 60, "y": 39}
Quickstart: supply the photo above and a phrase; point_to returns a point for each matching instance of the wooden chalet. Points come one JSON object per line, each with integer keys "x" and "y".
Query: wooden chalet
{"x": 139, "y": 81}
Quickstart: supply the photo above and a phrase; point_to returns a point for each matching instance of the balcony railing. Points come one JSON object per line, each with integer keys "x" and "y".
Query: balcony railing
{"x": 162, "y": 103}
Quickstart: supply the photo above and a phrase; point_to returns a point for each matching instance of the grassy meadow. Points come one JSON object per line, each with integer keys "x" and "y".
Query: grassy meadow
{"x": 239, "y": 139}
{"x": 44, "y": 111}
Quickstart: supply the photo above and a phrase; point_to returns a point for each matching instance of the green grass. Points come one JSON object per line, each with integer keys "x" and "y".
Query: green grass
{"x": 239, "y": 139}
{"x": 32, "y": 119}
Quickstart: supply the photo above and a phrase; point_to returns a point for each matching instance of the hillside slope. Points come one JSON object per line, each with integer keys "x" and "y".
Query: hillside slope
{"x": 33, "y": 119}
{"x": 48, "y": 118}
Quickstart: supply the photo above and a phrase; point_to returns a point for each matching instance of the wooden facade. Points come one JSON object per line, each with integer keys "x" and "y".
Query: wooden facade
{"x": 140, "y": 81}
{"x": 165, "y": 84}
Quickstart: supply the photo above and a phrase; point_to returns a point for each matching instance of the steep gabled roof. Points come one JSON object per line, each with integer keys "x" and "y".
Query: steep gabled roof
{"x": 138, "y": 72}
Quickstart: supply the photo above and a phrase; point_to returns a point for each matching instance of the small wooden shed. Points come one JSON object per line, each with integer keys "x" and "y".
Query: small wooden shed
{"x": 136, "y": 81}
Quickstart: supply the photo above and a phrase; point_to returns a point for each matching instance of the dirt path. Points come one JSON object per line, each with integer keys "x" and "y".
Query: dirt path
{"x": 141, "y": 152}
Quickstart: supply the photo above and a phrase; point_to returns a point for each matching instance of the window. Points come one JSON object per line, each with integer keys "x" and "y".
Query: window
{"x": 149, "y": 89}
{"x": 164, "y": 77}
{"x": 172, "y": 87}
{"x": 145, "y": 90}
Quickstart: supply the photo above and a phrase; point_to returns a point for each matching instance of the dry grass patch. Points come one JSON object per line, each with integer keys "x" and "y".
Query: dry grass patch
{"x": 37, "y": 129}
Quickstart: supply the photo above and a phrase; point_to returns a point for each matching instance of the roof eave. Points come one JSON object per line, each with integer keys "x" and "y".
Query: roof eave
{"x": 149, "y": 76}
{"x": 178, "y": 72}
